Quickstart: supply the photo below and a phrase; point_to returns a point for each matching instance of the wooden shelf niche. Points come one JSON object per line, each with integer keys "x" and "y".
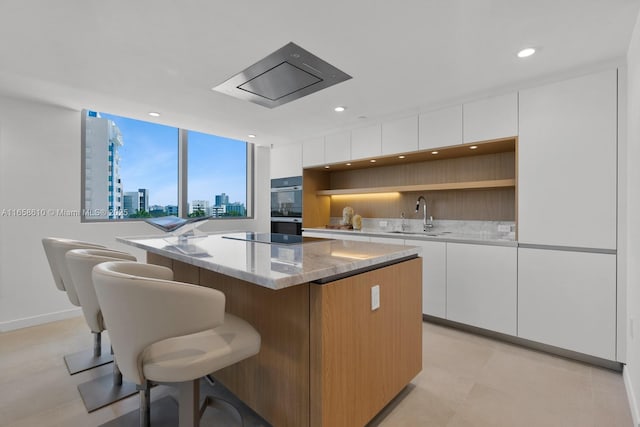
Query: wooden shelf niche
{"x": 478, "y": 187}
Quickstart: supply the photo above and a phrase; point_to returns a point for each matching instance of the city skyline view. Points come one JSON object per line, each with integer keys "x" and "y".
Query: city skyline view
{"x": 149, "y": 160}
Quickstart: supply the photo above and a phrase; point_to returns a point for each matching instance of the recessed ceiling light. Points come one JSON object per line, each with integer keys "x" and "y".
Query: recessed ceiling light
{"x": 526, "y": 52}
{"x": 473, "y": 147}
{"x": 339, "y": 109}
{"x": 434, "y": 152}
{"x": 154, "y": 114}
{"x": 326, "y": 167}
{"x": 251, "y": 135}
{"x": 401, "y": 157}
{"x": 373, "y": 160}
{"x": 348, "y": 164}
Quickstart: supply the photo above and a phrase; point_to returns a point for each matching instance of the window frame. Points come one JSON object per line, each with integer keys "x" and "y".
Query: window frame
{"x": 183, "y": 181}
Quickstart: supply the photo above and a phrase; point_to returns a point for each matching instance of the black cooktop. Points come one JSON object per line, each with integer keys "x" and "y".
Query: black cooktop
{"x": 272, "y": 238}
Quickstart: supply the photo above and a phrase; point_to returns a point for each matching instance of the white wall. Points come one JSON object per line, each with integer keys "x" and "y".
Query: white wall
{"x": 632, "y": 369}
{"x": 40, "y": 169}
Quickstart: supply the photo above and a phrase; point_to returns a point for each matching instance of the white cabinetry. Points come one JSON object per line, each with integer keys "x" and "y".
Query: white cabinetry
{"x": 313, "y": 152}
{"x": 567, "y": 163}
{"x": 568, "y": 299}
{"x": 482, "y": 286}
{"x": 491, "y": 118}
{"x": 400, "y": 136}
{"x": 286, "y": 160}
{"x": 337, "y": 147}
{"x": 434, "y": 276}
{"x": 441, "y": 128}
{"x": 366, "y": 142}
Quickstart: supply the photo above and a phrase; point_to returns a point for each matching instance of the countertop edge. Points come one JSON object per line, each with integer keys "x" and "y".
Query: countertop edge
{"x": 274, "y": 284}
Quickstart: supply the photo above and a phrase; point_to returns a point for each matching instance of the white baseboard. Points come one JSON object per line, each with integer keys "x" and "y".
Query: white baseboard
{"x": 631, "y": 396}
{"x": 25, "y": 322}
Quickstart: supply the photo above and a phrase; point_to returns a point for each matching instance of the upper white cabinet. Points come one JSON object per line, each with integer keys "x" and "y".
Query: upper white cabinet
{"x": 441, "y": 128}
{"x": 482, "y": 286}
{"x": 567, "y": 163}
{"x": 337, "y": 147}
{"x": 286, "y": 161}
{"x": 366, "y": 142}
{"x": 313, "y": 152}
{"x": 568, "y": 300}
{"x": 491, "y": 118}
{"x": 400, "y": 136}
{"x": 434, "y": 277}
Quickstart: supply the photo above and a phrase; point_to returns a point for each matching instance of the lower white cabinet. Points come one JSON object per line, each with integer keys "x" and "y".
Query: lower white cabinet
{"x": 568, "y": 299}
{"x": 434, "y": 277}
{"x": 482, "y": 286}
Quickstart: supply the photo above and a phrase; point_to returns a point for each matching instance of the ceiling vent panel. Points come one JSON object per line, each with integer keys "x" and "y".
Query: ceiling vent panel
{"x": 287, "y": 74}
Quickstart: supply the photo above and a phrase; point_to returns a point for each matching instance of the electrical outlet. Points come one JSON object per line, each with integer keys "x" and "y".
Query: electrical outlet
{"x": 382, "y": 223}
{"x": 375, "y": 297}
{"x": 504, "y": 228}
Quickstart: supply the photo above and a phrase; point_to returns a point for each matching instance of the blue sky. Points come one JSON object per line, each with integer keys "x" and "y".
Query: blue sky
{"x": 149, "y": 159}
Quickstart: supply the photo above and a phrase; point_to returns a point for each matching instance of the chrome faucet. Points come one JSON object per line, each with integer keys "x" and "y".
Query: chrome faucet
{"x": 426, "y": 225}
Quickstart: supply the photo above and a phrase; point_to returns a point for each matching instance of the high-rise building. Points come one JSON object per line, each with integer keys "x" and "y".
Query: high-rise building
{"x": 171, "y": 210}
{"x": 221, "y": 199}
{"x": 236, "y": 209}
{"x": 130, "y": 202}
{"x": 103, "y": 196}
{"x": 143, "y": 199}
{"x": 136, "y": 201}
{"x": 200, "y": 205}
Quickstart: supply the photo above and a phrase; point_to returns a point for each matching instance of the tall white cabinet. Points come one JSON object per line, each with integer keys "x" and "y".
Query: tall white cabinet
{"x": 567, "y": 163}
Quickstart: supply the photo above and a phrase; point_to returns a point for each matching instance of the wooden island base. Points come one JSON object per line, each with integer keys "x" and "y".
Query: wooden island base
{"x": 326, "y": 358}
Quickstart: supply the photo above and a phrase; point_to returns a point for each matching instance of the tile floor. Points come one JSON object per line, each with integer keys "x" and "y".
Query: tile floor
{"x": 467, "y": 380}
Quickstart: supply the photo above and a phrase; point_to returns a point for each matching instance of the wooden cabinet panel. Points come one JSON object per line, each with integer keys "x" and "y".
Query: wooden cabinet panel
{"x": 491, "y": 118}
{"x": 441, "y": 128}
{"x": 286, "y": 161}
{"x": 337, "y": 147}
{"x": 482, "y": 286}
{"x": 366, "y": 142}
{"x": 568, "y": 300}
{"x": 362, "y": 358}
{"x": 400, "y": 136}
{"x": 313, "y": 152}
{"x": 567, "y": 154}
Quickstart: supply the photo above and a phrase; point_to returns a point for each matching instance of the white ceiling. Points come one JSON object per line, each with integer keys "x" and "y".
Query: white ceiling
{"x": 131, "y": 57}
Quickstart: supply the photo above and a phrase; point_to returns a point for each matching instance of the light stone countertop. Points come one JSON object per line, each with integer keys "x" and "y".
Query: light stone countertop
{"x": 274, "y": 266}
{"x": 435, "y": 235}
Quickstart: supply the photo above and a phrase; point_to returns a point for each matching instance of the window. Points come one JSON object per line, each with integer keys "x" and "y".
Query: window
{"x": 217, "y": 176}
{"x": 130, "y": 170}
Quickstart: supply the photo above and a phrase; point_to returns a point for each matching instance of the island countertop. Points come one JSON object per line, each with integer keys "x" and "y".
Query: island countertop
{"x": 273, "y": 265}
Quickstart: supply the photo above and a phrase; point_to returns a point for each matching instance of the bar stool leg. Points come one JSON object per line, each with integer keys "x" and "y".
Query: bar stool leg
{"x": 144, "y": 391}
{"x": 117, "y": 375}
{"x": 97, "y": 344}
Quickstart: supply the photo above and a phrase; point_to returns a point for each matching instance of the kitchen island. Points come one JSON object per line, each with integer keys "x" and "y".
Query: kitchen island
{"x": 329, "y": 356}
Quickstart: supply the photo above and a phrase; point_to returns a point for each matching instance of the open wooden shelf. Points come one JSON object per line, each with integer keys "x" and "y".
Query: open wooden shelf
{"x": 422, "y": 187}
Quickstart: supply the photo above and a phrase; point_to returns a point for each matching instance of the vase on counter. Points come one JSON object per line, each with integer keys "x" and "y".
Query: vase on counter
{"x": 347, "y": 215}
{"x": 357, "y": 222}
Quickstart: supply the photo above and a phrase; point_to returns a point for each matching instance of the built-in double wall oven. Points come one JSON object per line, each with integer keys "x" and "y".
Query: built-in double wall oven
{"x": 286, "y": 205}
